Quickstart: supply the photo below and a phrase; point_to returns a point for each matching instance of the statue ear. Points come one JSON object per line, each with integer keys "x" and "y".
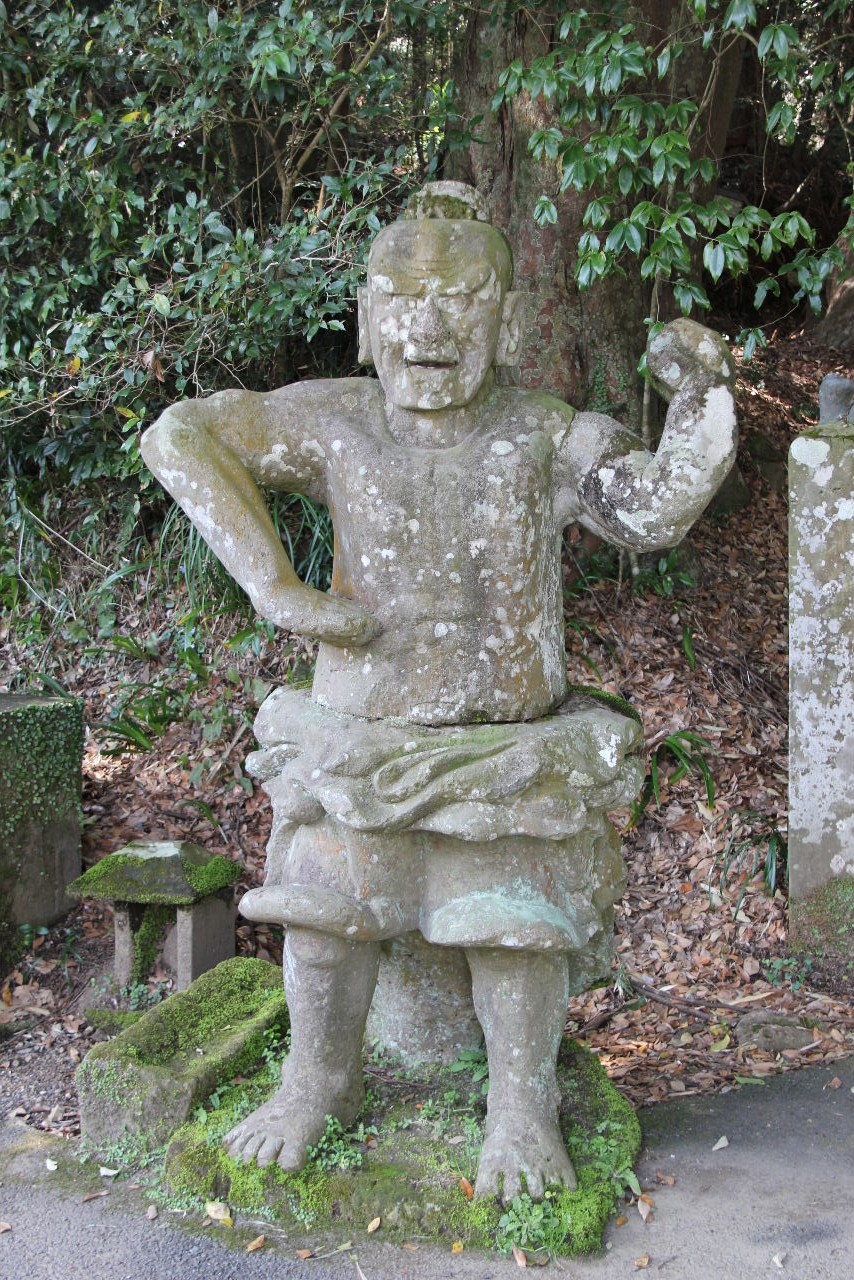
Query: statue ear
{"x": 365, "y": 355}
{"x": 512, "y": 326}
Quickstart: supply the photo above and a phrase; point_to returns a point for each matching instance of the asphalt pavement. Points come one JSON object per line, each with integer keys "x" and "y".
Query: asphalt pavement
{"x": 775, "y": 1199}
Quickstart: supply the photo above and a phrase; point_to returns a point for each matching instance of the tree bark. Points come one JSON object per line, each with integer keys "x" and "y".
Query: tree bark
{"x": 581, "y": 347}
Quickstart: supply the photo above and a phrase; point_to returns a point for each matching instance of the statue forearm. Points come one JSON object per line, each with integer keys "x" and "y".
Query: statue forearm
{"x": 648, "y": 501}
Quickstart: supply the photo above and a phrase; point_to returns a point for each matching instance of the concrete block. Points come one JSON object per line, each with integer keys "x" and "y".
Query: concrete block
{"x": 204, "y": 937}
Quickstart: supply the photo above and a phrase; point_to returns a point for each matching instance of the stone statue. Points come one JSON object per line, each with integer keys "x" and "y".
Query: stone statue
{"x": 438, "y": 783}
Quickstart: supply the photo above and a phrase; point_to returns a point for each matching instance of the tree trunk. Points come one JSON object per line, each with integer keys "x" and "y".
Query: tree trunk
{"x": 583, "y": 348}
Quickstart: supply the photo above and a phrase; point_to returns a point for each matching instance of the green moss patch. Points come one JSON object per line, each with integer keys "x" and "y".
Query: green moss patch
{"x": 612, "y": 701}
{"x": 404, "y": 1162}
{"x": 823, "y": 924}
{"x": 156, "y": 873}
{"x": 149, "y": 1078}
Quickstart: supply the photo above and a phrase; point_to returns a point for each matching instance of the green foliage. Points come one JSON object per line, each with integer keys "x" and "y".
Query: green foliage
{"x": 531, "y": 1224}
{"x": 680, "y": 754}
{"x": 630, "y": 118}
{"x": 755, "y": 843}
{"x": 664, "y": 579}
{"x": 187, "y": 192}
{"x": 338, "y": 1148}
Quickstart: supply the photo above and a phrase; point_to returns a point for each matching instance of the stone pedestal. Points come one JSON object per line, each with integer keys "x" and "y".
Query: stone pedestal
{"x": 821, "y": 647}
{"x": 422, "y": 1008}
{"x": 41, "y": 750}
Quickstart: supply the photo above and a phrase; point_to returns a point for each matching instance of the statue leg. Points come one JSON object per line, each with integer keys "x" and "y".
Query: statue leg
{"x": 329, "y": 983}
{"x": 520, "y": 999}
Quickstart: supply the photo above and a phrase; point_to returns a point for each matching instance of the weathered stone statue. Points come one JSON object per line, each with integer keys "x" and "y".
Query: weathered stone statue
{"x": 438, "y": 782}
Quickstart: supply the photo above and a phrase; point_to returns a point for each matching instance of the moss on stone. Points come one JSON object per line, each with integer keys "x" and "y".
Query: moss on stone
{"x": 112, "y": 1021}
{"x": 147, "y": 1080}
{"x": 219, "y": 873}
{"x": 611, "y": 700}
{"x": 133, "y": 874}
{"x": 214, "y": 1004}
{"x": 410, "y": 1178}
{"x": 41, "y": 748}
{"x": 147, "y": 938}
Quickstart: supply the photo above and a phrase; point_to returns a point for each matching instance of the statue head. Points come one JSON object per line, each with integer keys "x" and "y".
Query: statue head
{"x": 437, "y": 312}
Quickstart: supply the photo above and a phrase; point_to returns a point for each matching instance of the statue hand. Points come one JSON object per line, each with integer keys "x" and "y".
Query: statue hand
{"x": 684, "y": 352}
{"x": 334, "y": 619}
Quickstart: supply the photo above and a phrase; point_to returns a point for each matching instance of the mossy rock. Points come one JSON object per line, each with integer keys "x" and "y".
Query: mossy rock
{"x": 158, "y": 872}
{"x": 417, "y": 1139}
{"x": 147, "y": 1080}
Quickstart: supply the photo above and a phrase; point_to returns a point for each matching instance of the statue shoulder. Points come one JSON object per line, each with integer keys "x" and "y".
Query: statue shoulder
{"x": 328, "y": 396}
{"x": 540, "y": 411}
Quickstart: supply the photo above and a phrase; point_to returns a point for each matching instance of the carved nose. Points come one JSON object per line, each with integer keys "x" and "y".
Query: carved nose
{"x": 429, "y": 341}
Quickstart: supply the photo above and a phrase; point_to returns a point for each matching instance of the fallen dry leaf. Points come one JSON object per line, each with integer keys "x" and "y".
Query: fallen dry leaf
{"x": 646, "y": 1204}
{"x": 519, "y": 1256}
{"x": 457, "y": 1246}
{"x": 94, "y": 1195}
{"x": 642, "y": 1262}
{"x": 302, "y": 1254}
{"x": 374, "y": 1225}
{"x": 835, "y": 1083}
{"x": 411, "y": 1248}
{"x": 5, "y": 1226}
{"x": 622, "y": 1220}
{"x": 720, "y": 1144}
{"x": 218, "y": 1211}
{"x": 664, "y": 1179}
{"x": 466, "y": 1188}
{"x": 108, "y": 1173}
{"x": 256, "y": 1244}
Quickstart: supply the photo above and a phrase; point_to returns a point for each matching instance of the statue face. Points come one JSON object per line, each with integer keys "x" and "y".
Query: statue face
{"x": 435, "y": 295}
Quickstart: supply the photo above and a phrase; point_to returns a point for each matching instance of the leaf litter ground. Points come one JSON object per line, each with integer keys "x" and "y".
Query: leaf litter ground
{"x": 695, "y": 953}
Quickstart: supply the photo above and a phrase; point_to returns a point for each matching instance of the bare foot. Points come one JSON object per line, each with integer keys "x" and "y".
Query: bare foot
{"x": 534, "y": 1149}
{"x": 293, "y": 1120}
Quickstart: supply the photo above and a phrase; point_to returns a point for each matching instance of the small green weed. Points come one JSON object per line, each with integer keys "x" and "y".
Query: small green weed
{"x": 337, "y": 1148}
{"x": 474, "y": 1061}
{"x": 682, "y": 753}
{"x": 788, "y": 971}
{"x": 531, "y": 1225}
{"x": 755, "y": 843}
{"x": 664, "y": 578}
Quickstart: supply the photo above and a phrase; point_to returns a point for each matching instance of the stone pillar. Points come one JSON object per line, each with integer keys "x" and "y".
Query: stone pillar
{"x": 41, "y": 752}
{"x": 422, "y": 1008}
{"x": 821, "y": 648}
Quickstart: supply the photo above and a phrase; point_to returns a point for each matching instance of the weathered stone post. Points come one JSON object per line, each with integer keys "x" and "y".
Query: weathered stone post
{"x": 821, "y": 648}
{"x": 41, "y": 748}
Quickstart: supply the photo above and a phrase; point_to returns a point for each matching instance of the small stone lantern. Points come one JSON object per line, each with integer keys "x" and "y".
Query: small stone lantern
{"x": 152, "y": 884}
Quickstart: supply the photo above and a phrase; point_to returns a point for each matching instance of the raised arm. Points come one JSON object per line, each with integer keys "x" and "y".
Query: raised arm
{"x": 211, "y": 455}
{"x": 612, "y": 484}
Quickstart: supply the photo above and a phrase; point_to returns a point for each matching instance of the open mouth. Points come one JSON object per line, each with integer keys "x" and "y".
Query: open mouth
{"x": 431, "y": 364}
